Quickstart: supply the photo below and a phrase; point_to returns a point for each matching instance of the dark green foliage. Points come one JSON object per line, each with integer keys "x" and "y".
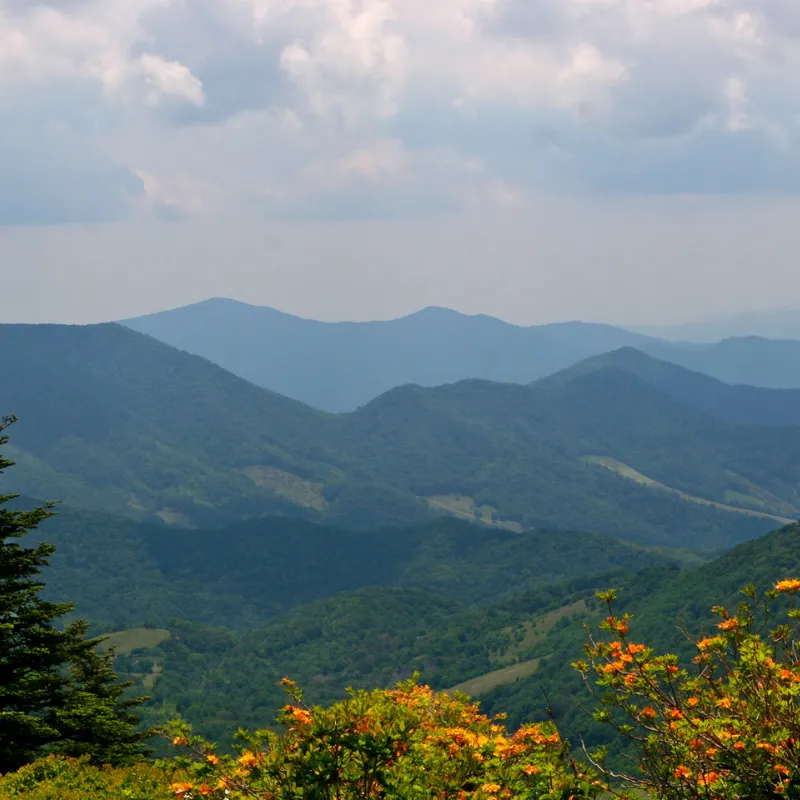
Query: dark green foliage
{"x": 245, "y": 573}
{"x": 372, "y": 637}
{"x": 41, "y": 704}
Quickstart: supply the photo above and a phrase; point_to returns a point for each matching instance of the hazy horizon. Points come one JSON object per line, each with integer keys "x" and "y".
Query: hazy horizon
{"x": 623, "y": 161}
{"x": 525, "y": 269}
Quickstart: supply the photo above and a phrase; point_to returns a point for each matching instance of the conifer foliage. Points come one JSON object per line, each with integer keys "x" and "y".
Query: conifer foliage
{"x": 57, "y": 692}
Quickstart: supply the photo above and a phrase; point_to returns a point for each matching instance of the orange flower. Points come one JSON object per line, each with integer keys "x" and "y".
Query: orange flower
{"x": 181, "y": 788}
{"x": 299, "y": 714}
{"x": 729, "y": 624}
{"x": 630, "y": 680}
{"x": 531, "y": 770}
{"x": 674, "y": 713}
{"x": 704, "y": 644}
{"x": 672, "y": 669}
{"x": 204, "y": 789}
{"x": 212, "y": 759}
{"x": 692, "y": 702}
{"x": 491, "y": 788}
{"x": 647, "y": 712}
{"x": 682, "y": 772}
{"x": 789, "y": 585}
{"x": 707, "y": 778}
{"x": 180, "y": 741}
{"x": 618, "y": 625}
{"x": 782, "y": 769}
{"x": 724, "y": 702}
{"x": 248, "y": 759}
{"x": 739, "y": 745}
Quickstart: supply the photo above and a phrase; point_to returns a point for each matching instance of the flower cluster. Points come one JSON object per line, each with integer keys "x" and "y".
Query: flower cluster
{"x": 408, "y": 742}
{"x": 729, "y": 725}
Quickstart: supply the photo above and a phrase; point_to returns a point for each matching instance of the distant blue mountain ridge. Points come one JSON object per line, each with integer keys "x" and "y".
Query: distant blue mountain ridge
{"x": 341, "y": 366}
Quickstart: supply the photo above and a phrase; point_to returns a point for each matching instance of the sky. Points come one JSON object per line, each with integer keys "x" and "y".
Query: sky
{"x": 633, "y": 161}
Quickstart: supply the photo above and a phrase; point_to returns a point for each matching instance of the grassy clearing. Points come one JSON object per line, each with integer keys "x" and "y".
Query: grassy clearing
{"x": 464, "y": 506}
{"x": 509, "y": 666}
{"x": 626, "y": 471}
{"x": 286, "y": 484}
{"x": 730, "y": 496}
{"x": 126, "y": 642}
{"x": 500, "y": 677}
{"x": 534, "y": 630}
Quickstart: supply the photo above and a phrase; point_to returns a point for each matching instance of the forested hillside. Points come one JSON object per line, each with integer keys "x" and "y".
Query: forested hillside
{"x": 514, "y": 652}
{"x": 247, "y": 572}
{"x": 666, "y": 604}
{"x": 732, "y": 402}
{"x": 119, "y": 422}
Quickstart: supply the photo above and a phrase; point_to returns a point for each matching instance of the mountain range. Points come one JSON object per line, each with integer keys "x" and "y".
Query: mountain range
{"x": 228, "y": 535}
{"x": 117, "y": 421}
{"x": 341, "y": 366}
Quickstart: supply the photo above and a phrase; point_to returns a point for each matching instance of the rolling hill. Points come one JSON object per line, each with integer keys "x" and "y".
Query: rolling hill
{"x": 732, "y": 402}
{"x": 116, "y": 421}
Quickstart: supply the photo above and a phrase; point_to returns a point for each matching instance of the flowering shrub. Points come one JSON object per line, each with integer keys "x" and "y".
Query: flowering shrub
{"x": 726, "y": 727}
{"x": 59, "y": 778}
{"x": 407, "y": 742}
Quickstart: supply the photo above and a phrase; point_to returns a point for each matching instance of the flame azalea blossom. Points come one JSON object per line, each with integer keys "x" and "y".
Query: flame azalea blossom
{"x": 682, "y": 772}
{"x": 725, "y": 728}
{"x": 377, "y": 745}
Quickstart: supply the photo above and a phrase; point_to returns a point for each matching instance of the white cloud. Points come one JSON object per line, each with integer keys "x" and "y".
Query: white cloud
{"x": 353, "y": 67}
{"x": 171, "y": 80}
{"x": 229, "y": 105}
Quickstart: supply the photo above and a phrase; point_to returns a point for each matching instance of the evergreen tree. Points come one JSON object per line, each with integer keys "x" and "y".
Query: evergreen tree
{"x": 52, "y": 680}
{"x": 96, "y": 718}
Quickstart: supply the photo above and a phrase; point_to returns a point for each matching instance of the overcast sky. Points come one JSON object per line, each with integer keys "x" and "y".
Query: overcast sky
{"x": 624, "y": 160}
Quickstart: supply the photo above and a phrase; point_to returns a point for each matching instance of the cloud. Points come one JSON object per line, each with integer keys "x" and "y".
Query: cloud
{"x": 349, "y": 107}
{"x": 170, "y": 80}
